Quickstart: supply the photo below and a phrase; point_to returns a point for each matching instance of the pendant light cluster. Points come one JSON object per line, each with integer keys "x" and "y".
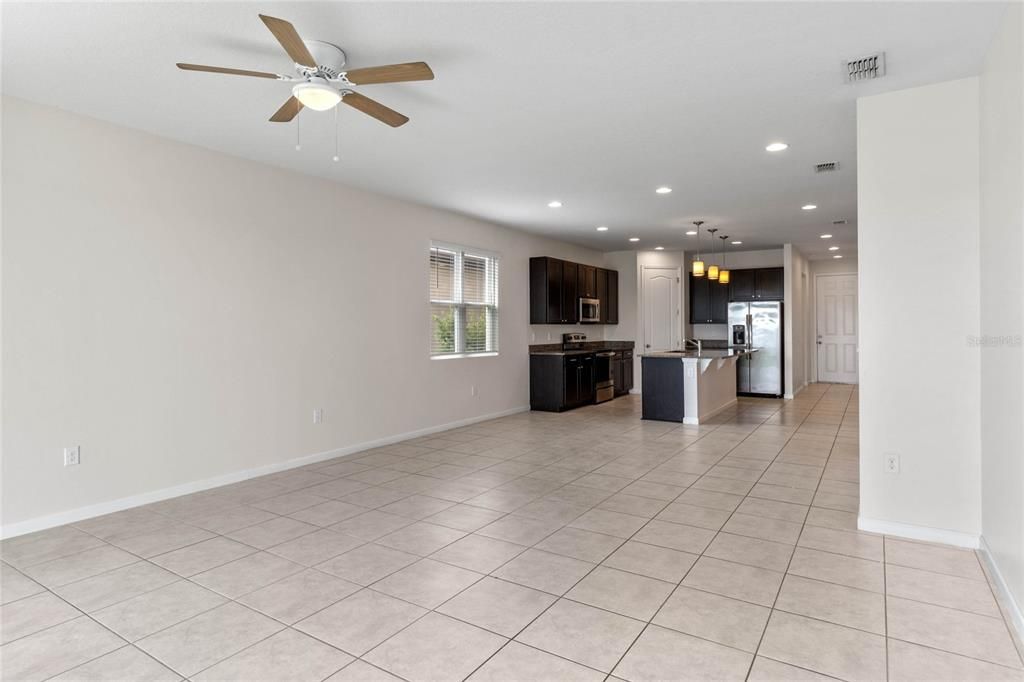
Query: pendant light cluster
{"x": 713, "y": 271}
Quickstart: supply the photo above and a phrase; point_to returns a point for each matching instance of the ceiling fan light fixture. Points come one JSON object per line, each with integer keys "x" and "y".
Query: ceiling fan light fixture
{"x": 317, "y": 95}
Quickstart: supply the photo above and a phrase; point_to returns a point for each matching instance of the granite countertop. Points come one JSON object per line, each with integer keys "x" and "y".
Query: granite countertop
{"x": 705, "y": 354}
{"x": 588, "y": 348}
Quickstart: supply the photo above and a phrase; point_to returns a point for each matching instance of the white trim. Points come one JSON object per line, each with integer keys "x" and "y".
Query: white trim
{"x": 790, "y": 396}
{"x": 101, "y": 508}
{"x": 923, "y": 533}
{"x": 635, "y": 391}
{"x": 1016, "y": 617}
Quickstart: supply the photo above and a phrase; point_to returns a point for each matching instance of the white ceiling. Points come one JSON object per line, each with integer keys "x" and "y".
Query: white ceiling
{"x": 594, "y": 104}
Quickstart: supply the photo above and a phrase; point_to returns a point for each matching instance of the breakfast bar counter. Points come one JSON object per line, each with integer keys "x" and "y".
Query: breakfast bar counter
{"x": 689, "y": 386}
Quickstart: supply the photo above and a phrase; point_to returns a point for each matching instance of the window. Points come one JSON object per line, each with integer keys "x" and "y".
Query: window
{"x": 463, "y": 301}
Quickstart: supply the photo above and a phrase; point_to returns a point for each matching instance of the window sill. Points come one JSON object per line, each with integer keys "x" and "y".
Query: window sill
{"x": 455, "y": 356}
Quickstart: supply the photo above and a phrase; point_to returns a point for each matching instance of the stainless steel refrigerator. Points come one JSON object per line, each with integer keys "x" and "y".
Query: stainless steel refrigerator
{"x": 758, "y": 324}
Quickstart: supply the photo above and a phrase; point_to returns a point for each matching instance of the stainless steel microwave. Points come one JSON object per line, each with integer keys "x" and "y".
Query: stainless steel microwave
{"x": 590, "y": 310}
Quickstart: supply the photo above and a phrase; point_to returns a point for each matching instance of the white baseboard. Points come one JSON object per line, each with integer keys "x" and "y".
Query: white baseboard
{"x": 790, "y": 396}
{"x": 1012, "y": 608}
{"x": 635, "y": 391}
{"x": 923, "y": 533}
{"x": 89, "y": 511}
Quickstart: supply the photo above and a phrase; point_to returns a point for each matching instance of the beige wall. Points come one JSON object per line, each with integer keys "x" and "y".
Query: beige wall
{"x": 917, "y": 247}
{"x": 180, "y": 313}
{"x": 1001, "y": 266}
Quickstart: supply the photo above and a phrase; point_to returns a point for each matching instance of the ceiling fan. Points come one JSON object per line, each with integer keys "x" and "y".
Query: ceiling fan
{"x": 320, "y": 81}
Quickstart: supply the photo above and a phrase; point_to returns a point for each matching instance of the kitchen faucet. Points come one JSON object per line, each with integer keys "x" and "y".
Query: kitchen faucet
{"x": 696, "y": 342}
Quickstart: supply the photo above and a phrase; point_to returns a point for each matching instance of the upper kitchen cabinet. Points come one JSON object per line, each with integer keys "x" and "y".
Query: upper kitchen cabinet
{"x": 587, "y": 281}
{"x": 709, "y": 301}
{"x": 762, "y": 284}
{"x": 610, "y": 312}
{"x": 743, "y": 285}
{"x": 770, "y": 284}
{"x": 552, "y": 291}
{"x": 556, "y": 287}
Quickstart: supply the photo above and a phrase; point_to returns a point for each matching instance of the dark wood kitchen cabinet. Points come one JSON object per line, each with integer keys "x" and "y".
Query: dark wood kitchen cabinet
{"x": 556, "y": 286}
{"x": 587, "y": 281}
{"x": 553, "y": 286}
{"x": 622, "y": 372}
{"x": 709, "y": 301}
{"x": 771, "y": 284}
{"x": 602, "y": 294}
{"x": 561, "y": 382}
{"x": 743, "y": 285}
{"x": 759, "y": 284}
{"x": 610, "y": 312}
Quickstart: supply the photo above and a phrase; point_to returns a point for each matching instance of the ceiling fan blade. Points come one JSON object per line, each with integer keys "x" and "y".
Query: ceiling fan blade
{"x": 288, "y": 111}
{"x": 233, "y": 72}
{"x": 375, "y": 109}
{"x": 290, "y": 40}
{"x": 392, "y": 73}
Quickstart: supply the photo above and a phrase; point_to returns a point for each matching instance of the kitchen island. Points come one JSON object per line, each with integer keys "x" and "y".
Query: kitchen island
{"x": 689, "y": 386}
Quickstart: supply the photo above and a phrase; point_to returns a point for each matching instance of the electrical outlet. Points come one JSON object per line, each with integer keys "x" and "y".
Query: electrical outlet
{"x": 318, "y": 415}
{"x": 892, "y": 463}
{"x": 72, "y": 456}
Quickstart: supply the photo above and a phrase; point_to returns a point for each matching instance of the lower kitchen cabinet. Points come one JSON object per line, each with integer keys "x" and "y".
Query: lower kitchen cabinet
{"x": 622, "y": 372}
{"x": 561, "y": 382}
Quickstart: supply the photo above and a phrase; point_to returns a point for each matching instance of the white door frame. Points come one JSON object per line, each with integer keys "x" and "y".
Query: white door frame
{"x": 813, "y": 336}
{"x": 677, "y": 327}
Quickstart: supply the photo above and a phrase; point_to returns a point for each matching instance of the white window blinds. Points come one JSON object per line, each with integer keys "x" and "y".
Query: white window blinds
{"x": 463, "y": 301}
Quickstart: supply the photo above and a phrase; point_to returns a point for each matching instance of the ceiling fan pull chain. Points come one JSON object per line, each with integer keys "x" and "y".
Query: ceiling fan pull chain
{"x": 336, "y": 134}
{"x": 298, "y": 133}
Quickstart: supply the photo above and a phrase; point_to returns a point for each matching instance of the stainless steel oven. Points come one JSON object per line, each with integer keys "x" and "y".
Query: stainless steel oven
{"x": 590, "y": 310}
{"x": 604, "y": 382}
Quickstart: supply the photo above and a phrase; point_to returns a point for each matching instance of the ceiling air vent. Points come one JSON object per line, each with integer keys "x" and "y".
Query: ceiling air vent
{"x": 839, "y": 222}
{"x": 865, "y": 68}
{"x": 828, "y": 167}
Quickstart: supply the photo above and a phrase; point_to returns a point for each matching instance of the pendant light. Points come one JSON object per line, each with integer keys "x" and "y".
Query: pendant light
{"x": 698, "y": 264}
{"x": 713, "y": 268}
{"x": 723, "y": 274}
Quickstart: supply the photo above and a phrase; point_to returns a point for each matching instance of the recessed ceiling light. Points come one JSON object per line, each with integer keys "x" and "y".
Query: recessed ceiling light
{"x": 808, "y": 207}
{"x": 602, "y": 229}
{"x": 691, "y": 232}
{"x": 737, "y": 242}
{"x": 833, "y": 248}
{"x": 776, "y": 147}
{"x": 634, "y": 239}
{"x": 555, "y": 204}
{"x": 659, "y": 248}
{"x": 664, "y": 190}
{"x": 837, "y": 256}
{"x": 826, "y": 236}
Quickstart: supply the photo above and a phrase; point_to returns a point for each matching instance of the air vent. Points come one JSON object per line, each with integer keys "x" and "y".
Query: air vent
{"x": 865, "y": 68}
{"x": 839, "y": 222}
{"x": 827, "y": 167}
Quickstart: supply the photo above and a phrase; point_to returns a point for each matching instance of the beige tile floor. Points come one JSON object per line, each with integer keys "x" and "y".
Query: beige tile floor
{"x": 583, "y": 546}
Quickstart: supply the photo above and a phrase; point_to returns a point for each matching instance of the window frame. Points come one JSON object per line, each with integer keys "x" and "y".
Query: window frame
{"x": 460, "y": 307}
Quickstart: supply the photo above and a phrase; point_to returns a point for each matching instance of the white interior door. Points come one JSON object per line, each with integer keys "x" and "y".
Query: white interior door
{"x": 661, "y": 308}
{"x": 836, "y": 311}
